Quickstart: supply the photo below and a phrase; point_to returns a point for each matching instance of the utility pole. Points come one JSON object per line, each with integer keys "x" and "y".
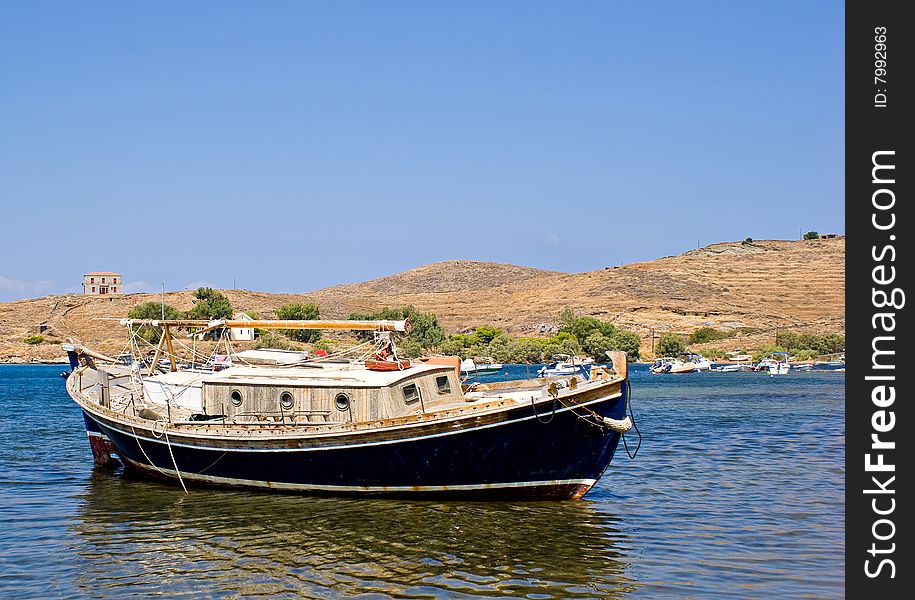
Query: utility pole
{"x": 163, "y": 301}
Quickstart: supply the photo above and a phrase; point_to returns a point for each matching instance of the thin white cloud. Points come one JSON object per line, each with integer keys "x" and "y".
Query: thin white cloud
{"x": 133, "y": 287}
{"x": 199, "y": 284}
{"x": 17, "y": 286}
{"x": 551, "y": 238}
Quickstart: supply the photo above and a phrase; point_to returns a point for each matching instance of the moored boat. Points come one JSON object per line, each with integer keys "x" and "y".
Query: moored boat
{"x": 333, "y": 425}
{"x": 565, "y": 364}
{"x": 483, "y": 364}
{"x": 776, "y": 364}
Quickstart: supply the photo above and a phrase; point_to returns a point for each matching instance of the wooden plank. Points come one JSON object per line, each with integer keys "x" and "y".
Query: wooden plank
{"x": 171, "y": 349}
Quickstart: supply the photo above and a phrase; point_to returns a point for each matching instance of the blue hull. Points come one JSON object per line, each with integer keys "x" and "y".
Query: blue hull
{"x": 543, "y": 455}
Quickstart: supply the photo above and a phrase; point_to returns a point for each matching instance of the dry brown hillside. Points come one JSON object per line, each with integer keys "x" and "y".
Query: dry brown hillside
{"x": 761, "y": 286}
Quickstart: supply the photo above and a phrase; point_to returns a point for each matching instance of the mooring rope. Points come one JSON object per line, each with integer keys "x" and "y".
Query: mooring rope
{"x": 632, "y": 455}
{"x": 174, "y": 464}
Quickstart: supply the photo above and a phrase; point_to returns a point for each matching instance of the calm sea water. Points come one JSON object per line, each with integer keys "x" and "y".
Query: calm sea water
{"x": 737, "y": 491}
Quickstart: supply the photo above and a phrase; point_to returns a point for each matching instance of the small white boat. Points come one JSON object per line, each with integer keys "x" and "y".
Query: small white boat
{"x": 776, "y": 364}
{"x": 733, "y": 368}
{"x": 564, "y": 364}
{"x": 737, "y": 357}
{"x": 470, "y": 367}
{"x": 700, "y": 362}
{"x": 669, "y": 364}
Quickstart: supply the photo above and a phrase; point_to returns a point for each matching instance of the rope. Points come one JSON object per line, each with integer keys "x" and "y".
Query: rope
{"x": 174, "y": 464}
{"x": 632, "y": 455}
{"x": 553, "y": 414}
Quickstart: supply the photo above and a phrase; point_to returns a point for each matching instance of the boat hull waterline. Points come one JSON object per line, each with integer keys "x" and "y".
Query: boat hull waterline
{"x": 544, "y": 451}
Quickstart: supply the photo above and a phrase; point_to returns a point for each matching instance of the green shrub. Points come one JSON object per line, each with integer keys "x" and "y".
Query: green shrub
{"x": 34, "y": 339}
{"x": 830, "y": 343}
{"x": 805, "y": 355}
{"x": 486, "y": 334}
{"x": 811, "y": 235}
{"x": 273, "y": 340}
{"x": 670, "y": 344}
{"x": 707, "y": 334}
{"x": 300, "y": 312}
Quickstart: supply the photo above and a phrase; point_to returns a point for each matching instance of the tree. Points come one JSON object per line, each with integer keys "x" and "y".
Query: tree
{"x": 153, "y": 311}
{"x": 670, "y": 344}
{"x": 811, "y": 235}
{"x": 597, "y": 346}
{"x": 485, "y": 334}
{"x": 300, "y": 312}
{"x": 627, "y": 341}
{"x": 526, "y": 350}
{"x": 427, "y": 332}
{"x": 211, "y": 304}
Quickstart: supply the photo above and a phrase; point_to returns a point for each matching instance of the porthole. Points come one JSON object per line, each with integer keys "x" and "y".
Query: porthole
{"x": 235, "y": 397}
{"x": 443, "y": 385}
{"x": 286, "y": 400}
{"x": 341, "y": 401}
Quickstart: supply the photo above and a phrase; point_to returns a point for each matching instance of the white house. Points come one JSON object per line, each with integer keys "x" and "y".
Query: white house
{"x": 242, "y": 334}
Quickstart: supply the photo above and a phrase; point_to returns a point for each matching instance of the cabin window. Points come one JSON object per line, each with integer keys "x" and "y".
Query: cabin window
{"x": 235, "y": 397}
{"x": 443, "y": 385}
{"x": 286, "y": 400}
{"x": 341, "y": 401}
{"x": 410, "y": 393}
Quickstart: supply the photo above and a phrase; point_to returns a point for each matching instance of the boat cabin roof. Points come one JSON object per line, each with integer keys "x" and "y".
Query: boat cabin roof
{"x": 312, "y": 375}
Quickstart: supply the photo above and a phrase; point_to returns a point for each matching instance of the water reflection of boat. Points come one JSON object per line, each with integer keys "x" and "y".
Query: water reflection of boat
{"x": 234, "y": 543}
{"x": 374, "y": 424}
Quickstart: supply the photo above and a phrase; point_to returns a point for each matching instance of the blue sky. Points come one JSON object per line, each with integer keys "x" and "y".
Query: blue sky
{"x": 296, "y": 145}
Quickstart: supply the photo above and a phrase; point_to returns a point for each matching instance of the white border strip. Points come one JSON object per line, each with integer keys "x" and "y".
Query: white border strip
{"x": 361, "y": 444}
{"x": 277, "y": 485}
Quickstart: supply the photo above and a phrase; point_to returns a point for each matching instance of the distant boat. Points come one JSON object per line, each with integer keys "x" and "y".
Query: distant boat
{"x": 737, "y": 357}
{"x": 486, "y": 365}
{"x": 669, "y": 364}
{"x": 776, "y": 364}
{"x": 564, "y": 364}
{"x": 701, "y": 363}
{"x": 733, "y": 368}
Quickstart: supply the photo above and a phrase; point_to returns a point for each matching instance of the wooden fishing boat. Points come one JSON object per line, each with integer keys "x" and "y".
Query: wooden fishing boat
{"x": 287, "y": 422}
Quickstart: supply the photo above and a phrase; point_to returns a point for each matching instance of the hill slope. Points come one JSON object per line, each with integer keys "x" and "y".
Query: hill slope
{"x": 763, "y": 285}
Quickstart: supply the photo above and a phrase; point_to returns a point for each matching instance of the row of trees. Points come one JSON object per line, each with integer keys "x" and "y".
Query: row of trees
{"x": 577, "y": 335}
{"x": 803, "y": 346}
